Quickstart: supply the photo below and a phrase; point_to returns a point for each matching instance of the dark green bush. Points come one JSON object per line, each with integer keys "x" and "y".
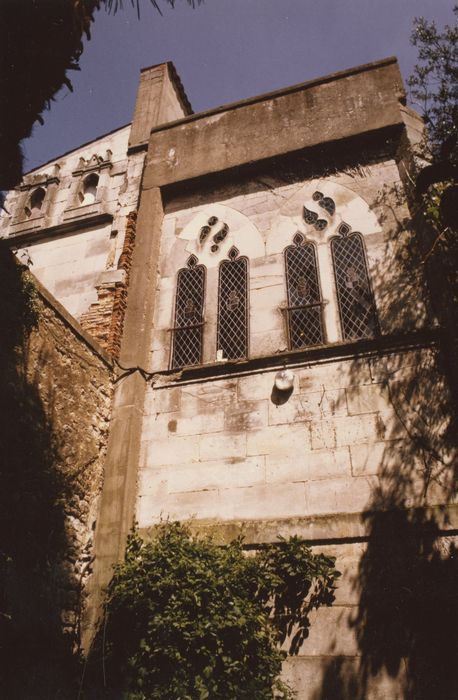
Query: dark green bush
{"x": 188, "y": 620}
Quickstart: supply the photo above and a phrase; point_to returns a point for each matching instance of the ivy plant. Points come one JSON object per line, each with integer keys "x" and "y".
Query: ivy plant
{"x": 186, "y": 619}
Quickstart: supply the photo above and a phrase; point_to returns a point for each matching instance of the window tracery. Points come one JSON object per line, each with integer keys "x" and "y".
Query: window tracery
{"x": 217, "y": 237}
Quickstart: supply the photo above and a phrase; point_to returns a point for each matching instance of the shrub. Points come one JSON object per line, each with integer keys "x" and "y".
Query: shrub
{"x": 187, "y": 619}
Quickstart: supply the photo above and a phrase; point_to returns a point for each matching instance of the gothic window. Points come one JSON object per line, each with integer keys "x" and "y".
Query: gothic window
{"x": 189, "y": 305}
{"x": 357, "y": 311}
{"x": 304, "y": 317}
{"x": 36, "y": 201}
{"x": 88, "y": 190}
{"x": 232, "y": 332}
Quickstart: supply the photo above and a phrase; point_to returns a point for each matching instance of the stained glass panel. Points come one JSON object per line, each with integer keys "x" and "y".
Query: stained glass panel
{"x": 232, "y": 333}
{"x": 303, "y": 292}
{"x": 187, "y": 333}
{"x": 357, "y": 311}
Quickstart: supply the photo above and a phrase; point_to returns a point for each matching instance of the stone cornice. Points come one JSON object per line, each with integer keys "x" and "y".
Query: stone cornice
{"x": 73, "y": 226}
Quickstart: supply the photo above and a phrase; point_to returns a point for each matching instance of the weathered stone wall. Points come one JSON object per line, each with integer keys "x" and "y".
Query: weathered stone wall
{"x": 222, "y": 449}
{"x": 262, "y": 221}
{"x": 55, "y": 403}
{"x": 73, "y": 242}
{"x": 70, "y": 378}
{"x": 73, "y": 247}
{"x": 74, "y": 379}
{"x": 104, "y": 319}
{"x": 356, "y": 441}
{"x": 340, "y": 106}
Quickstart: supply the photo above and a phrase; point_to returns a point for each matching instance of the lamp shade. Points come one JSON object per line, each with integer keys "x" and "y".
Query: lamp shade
{"x": 284, "y": 380}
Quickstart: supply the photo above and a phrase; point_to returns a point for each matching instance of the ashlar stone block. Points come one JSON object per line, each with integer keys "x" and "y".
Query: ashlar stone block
{"x": 162, "y": 400}
{"x": 245, "y": 415}
{"x": 367, "y": 398}
{"x": 216, "y": 474}
{"x": 166, "y": 425}
{"x": 323, "y": 435}
{"x": 179, "y": 506}
{"x": 255, "y": 387}
{"x": 206, "y": 397}
{"x": 356, "y": 429}
{"x": 334, "y": 375}
{"x": 222, "y": 446}
{"x": 308, "y": 466}
{"x": 371, "y": 458}
{"x": 302, "y": 407}
{"x": 258, "y": 502}
{"x": 330, "y": 633}
{"x": 279, "y": 440}
{"x": 175, "y": 450}
{"x": 349, "y": 495}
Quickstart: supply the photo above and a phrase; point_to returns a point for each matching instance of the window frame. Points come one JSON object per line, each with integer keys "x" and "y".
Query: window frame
{"x": 301, "y": 242}
{"x": 177, "y": 331}
{"x": 234, "y": 257}
{"x": 343, "y": 234}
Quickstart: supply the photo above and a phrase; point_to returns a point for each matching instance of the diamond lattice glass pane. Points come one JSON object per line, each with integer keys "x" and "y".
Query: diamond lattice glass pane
{"x": 304, "y": 323}
{"x": 356, "y": 305}
{"x": 301, "y": 275}
{"x": 187, "y": 343}
{"x": 305, "y": 327}
{"x": 233, "y": 309}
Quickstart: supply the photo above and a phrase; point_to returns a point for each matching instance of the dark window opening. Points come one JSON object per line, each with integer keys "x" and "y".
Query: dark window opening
{"x": 88, "y": 191}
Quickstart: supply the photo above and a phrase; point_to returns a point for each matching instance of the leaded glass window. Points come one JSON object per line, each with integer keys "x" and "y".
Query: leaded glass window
{"x": 189, "y": 322}
{"x": 304, "y": 310}
{"x": 358, "y": 316}
{"x": 232, "y": 333}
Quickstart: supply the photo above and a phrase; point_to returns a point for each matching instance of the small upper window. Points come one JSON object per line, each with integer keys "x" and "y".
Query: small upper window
{"x": 88, "y": 191}
{"x": 35, "y": 202}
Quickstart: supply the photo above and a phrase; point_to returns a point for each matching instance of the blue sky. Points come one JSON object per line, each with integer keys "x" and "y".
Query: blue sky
{"x": 224, "y": 50}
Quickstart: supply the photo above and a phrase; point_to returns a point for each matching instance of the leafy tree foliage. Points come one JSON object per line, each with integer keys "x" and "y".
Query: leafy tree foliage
{"x": 41, "y": 42}
{"x": 434, "y": 81}
{"x": 188, "y": 619}
{"x": 434, "y": 88}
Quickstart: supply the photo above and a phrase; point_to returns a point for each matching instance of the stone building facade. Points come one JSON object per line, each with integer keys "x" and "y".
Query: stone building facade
{"x": 210, "y": 253}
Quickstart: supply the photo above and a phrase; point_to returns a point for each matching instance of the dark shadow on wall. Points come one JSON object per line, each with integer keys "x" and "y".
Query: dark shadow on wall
{"x": 406, "y": 617}
{"x": 37, "y": 657}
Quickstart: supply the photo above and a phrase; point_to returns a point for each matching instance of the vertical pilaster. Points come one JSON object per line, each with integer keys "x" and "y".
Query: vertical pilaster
{"x": 117, "y": 506}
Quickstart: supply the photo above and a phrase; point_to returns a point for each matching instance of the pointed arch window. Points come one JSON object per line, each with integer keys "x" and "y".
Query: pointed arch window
{"x": 232, "y": 329}
{"x": 88, "y": 192}
{"x": 35, "y": 204}
{"x": 358, "y": 316}
{"x": 304, "y": 310}
{"x": 189, "y": 321}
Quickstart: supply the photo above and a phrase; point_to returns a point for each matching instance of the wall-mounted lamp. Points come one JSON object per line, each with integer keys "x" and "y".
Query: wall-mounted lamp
{"x": 284, "y": 380}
